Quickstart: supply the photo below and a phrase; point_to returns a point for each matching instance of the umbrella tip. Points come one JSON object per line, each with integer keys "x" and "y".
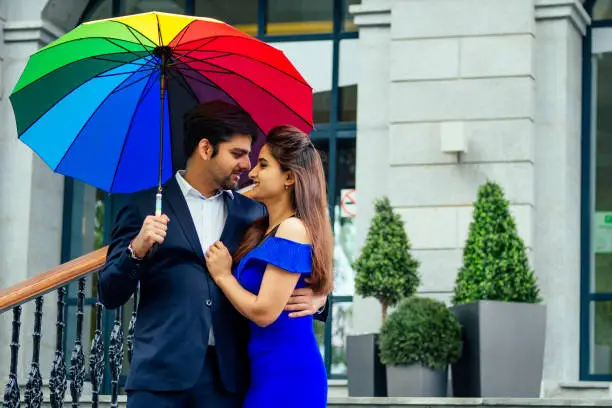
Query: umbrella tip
{"x": 162, "y": 51}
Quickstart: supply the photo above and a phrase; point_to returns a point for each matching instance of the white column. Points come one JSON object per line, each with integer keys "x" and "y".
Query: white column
{"x": 560, "y": 27}
{"x": 31, "y": 195}
{"x": 373, "y": 17}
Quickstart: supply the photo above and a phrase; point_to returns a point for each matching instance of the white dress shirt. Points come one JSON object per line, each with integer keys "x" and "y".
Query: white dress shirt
{"x": 208, "y": 215}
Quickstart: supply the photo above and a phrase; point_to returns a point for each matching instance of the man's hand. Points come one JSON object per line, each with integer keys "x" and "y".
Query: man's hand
{"x": 304, "y": 302}
{"x": 153, "y": 231}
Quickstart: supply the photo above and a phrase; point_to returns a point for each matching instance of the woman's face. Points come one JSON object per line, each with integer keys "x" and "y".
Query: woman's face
{"x": 268, "y": 178}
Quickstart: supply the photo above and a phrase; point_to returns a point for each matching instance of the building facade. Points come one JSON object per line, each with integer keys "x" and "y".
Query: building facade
{"x": 420, "y": 100}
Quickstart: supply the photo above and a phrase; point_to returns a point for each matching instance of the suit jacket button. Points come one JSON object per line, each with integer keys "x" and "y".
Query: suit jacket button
{"x": 208, "y": 302}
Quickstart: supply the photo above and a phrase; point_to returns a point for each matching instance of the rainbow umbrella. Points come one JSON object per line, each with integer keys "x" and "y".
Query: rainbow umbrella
{"x": 87, "y": 103}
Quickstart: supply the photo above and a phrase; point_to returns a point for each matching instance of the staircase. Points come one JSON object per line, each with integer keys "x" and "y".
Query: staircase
{"x": 105, "y": 362}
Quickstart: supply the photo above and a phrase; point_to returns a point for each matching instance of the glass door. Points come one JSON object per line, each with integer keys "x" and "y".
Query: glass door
{"x": 599, "y": 296}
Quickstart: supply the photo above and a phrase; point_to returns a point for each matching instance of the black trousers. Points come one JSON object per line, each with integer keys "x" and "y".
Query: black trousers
{"x": 208, "y": 392}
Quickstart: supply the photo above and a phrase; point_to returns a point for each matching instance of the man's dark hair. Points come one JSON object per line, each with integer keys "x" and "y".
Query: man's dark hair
{"x": 216, "y": 121}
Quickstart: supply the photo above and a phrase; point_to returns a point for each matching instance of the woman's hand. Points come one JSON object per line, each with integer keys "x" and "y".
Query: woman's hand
{"x": 218, "y": 261}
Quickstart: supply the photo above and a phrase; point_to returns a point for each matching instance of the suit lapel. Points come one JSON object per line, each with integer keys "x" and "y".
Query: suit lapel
{"x": 173, "y": 196}
{"x": 228, "y": 236}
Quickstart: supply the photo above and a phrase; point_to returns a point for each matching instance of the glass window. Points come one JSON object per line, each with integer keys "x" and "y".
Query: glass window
{"x": 341, "y": 320}
{"x": 288, "y": 17}
{"x": 344, "y": 218}
{"x": 347, "y": 81}
{"x": 349, "y": 24}
{"x": 313, "y": 59}
{"x": 344, "y": 211}
{"x": 601, "y": 353}
{"x": 241, "y": 14}
{"x": 602, "y": 10}
{"x": 102, "y": 10}
{"x": 602, "y": 242}
{"x": 600, "y": 316}
{"x": 321, "y": 106}
{"x": 144, "y": 6}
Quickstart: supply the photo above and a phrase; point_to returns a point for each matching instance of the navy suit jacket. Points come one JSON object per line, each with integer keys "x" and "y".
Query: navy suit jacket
{"x": 179, "y": 300}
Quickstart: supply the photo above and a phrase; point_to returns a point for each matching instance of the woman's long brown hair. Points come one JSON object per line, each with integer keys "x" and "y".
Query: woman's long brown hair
{"x": 295, "y": 152}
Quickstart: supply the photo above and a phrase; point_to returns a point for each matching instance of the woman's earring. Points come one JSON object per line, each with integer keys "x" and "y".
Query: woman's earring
{"x": 286, "y": 187}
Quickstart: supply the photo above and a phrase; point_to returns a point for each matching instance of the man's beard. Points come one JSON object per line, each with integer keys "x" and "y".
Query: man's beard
{"x": 228, "y": 184}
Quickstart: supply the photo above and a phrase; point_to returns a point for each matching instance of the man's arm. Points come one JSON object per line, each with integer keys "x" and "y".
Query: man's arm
{"x": 323, "y": 312}
{"x": 118, "y": 278}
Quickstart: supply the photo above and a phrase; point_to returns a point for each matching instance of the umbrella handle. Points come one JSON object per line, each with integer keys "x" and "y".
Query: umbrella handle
{"x": 158, "y": 204}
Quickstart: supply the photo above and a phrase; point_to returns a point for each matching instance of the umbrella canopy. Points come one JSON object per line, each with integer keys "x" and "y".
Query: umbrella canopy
{"x": 90, "y": 104}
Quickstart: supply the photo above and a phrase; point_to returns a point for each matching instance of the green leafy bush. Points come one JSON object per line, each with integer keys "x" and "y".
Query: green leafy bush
{"x": 385, "y": 268}
{"x": 495, "y": 263}
{"x": 420, "y": 331}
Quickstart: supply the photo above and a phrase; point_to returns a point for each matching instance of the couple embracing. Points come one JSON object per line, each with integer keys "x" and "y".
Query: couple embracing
{"x": 229, "y": 285}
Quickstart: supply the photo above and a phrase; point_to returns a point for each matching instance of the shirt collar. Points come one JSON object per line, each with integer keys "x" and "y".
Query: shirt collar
{"x": 187, "y": 189}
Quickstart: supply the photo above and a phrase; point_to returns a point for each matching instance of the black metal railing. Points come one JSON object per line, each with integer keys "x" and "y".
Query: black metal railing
{"x": 79, "y": 371}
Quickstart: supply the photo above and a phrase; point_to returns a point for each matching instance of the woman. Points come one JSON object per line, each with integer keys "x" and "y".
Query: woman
{"x": 292, "y": 247}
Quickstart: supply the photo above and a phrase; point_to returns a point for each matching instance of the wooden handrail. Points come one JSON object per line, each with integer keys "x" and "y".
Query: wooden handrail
{"x": 59, "y": 275}
{"x": 52, "y": 279}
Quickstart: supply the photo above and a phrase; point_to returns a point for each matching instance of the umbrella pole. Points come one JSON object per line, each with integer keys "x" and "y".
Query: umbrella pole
{"x": 162, "y": 79}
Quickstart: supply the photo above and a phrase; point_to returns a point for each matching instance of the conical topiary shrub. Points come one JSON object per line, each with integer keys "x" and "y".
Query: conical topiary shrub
{"x": 385, "y": 268}
{"x": 495, "y": 263}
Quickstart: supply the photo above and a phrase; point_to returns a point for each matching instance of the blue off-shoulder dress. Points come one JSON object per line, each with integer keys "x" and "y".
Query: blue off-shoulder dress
{"x": 287, "y": 369}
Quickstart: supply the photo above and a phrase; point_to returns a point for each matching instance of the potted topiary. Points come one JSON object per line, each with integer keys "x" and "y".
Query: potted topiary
{"x": 496, "y": 300}
{"x": 386, "y": 271}
{"x": 417, "y": 343}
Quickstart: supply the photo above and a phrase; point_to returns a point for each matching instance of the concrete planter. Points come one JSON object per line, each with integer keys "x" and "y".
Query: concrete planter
{"x": 416, "y": 381}
{"x": 503, "y": 350}
{"x": 366, "y": 374}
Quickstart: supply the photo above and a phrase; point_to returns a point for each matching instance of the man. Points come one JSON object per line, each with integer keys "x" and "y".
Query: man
{"x": 190, "y": 343}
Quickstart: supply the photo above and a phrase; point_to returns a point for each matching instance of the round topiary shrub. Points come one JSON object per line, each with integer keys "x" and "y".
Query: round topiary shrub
{"x": 420, "y": 331}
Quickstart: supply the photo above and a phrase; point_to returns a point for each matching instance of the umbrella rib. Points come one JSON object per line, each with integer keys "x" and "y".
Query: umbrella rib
{"x": 123, "y": 73}
{"x": 93, "y": 37}
{"x": 138, "y": 39}
{"x": 209, "y": 84}
{"x": 183, "y": 32}
{"x": 235, "y": 53}
{"x": 176, "y": 76}
{"x": 244, "y": 56}
{"x": 199, "y": 47}
{"x": 214, "y": 85}
{"x": 123, "y": 48}
{"x": 159, "y": 33}
{"x": 130, "y": 84}
{"x": 127, "y": 134}
{"x": 119, "y": 62}
{"x": 56, "y": 102}
{"x": 263, "y": 89}
{"x": 132, "y": 30}
{"x": 74, "y": 62}
{"x": 222, "y": 36}
{"x": 86, "y": 123}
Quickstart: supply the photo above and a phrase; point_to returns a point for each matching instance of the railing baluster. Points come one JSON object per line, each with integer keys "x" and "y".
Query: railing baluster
{"x": 57, "y": 382}
{"x": 34, "y": 393}
{"x": 130, "y": 336}
{"x": 77, "y": 359}
{"x": 96, "y": 358}
{"x": 11, "y": 393}
{"x": 116, "y": 354}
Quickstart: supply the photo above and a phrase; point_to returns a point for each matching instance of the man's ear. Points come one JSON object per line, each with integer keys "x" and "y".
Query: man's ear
{"x": 205, "y": 149}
